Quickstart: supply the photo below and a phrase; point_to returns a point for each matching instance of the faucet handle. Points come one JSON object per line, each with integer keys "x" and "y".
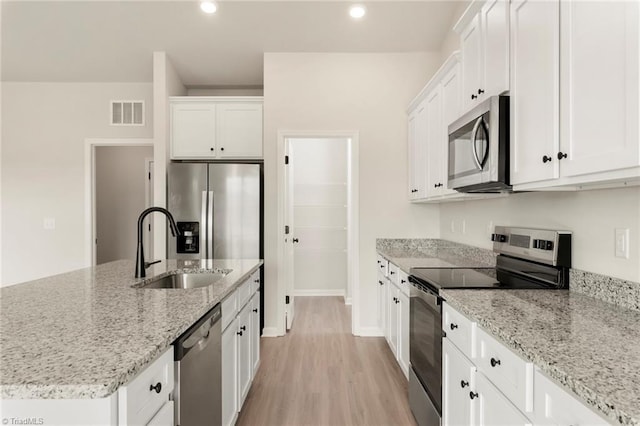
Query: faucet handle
{"x": 147, "y": 264}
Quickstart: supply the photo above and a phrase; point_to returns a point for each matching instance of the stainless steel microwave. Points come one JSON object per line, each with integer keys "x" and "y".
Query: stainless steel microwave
{"x": 479, "y": 148}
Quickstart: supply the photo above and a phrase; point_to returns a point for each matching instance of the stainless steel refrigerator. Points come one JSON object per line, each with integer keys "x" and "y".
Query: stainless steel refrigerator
{"x": 218, "y": 209}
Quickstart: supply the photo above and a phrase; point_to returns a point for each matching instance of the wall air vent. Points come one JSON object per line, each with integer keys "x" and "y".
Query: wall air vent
{"x": 127, "y": 113}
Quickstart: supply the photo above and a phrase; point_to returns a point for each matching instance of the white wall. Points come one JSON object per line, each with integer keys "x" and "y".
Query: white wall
{"x": 121, "y": 180}
{"x": 44, "y": 126}
{"x": 368, "y": 93}
{"x": 591, "y": 215}
{"x": 166, "y": 82}
{"x": 451, "y": 42}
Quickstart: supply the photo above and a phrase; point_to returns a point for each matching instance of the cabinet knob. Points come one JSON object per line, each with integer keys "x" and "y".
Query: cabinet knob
{"x": 212, "y": 149}
{"x": 453, "y": 326}
{"x": 495, "y": 362}
{"x": 380, "y": 282}
{"x": 392, "y": 272}
{"x": 463, "y": 384}
{"x": 561, "y": 155}
{"x": 239, "y": 333}
{"x": 221, "y": 148}
{"x": 402, "y": 281}
{"x": 243, "y": 328}
{"x": 473, "y": 395}
{"x": 256, "y": 281}
{"x": 397, "y": 301}
{"x": 255, "y": 310}
{"x": 480, "y": 91}
{"x": 295, "y": 240}
{"x": 382, "y": 266}
{"x": 157, "y": 387}
{"x": 474, "y": 97}
{"x": 545, "y": 159}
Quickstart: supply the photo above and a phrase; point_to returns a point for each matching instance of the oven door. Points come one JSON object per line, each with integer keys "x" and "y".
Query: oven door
{"x": 425, "y": 342}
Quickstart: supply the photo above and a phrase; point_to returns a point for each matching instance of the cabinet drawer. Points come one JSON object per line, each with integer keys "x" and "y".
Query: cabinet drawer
{"x": 460, "y": 330}
{"x": 383, "y": 265}
{"x": 403, "y": 282}
{"x": 554, "y": 406}
{"x": 229, "y": 309}
{"x": 508, "y": 372}
{"x": 394, "y": 273}
{"x": 244, "y": 293}
{"x": 137, "y": 402}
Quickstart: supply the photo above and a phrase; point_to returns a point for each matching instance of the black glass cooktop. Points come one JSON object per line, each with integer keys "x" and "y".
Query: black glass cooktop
{"x": 457, "y": 278}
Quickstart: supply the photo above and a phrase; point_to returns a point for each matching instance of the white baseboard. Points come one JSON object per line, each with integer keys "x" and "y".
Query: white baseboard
{"x": 369, "y": 332}
{"x": 318, "y": 292}
{"x": 270, "y": 332}
{"x": 347, "y": 301}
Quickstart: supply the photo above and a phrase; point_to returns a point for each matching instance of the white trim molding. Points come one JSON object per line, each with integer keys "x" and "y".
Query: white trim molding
{"x": 318, "y": 292}
{"x": 369, "y": 332}
{"x": 90, "y": 145}
{"x": 271, "y": 332}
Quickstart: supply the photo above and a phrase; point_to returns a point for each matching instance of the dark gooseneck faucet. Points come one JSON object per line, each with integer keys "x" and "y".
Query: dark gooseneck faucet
{"x": 141, "y": 265}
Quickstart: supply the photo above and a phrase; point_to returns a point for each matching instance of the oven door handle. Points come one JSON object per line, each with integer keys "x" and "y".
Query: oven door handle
{"x": 430, "y": 297}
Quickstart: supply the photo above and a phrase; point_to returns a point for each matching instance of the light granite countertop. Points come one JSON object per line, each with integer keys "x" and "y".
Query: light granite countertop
{"x": 85, "y": 333}
{"x": 590, "y": 347}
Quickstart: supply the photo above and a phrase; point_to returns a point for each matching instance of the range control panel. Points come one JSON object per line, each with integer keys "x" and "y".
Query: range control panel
{"x": 540, "y": 245}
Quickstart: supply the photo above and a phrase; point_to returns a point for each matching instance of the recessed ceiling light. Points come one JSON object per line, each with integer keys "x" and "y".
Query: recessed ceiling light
{"x": 357, "y": 11}
{"x": 208, "y": 7}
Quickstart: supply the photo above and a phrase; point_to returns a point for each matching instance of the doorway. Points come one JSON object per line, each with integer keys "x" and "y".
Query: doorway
{"x": 318, "y": 189}
{"x": 120, "y": 187}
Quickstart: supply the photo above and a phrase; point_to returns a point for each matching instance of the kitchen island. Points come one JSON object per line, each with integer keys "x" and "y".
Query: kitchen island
{"x": 86, "y": 333}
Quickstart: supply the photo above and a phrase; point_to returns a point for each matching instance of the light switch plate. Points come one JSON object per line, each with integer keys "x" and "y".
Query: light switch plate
{"x": 622, "y": 243}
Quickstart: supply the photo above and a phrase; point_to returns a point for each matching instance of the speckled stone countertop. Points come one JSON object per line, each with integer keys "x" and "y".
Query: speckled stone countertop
{"x": 433, "y": 253}
{"x": 85, "y": 333}
{"x": 590, "y": 347}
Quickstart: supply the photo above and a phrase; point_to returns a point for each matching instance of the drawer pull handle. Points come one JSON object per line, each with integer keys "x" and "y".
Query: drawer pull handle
{"x": 463, "y": 384}
{"x": 157, "y": 387}
{"x": 255, "y": 310}
{"x": 495, "y": 362}
{"x": 473, "y": 395}
{"x": 453, "y": 326}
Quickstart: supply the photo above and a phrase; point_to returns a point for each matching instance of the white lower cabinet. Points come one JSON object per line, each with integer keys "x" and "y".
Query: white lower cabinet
{"x": 230, "y": 374}
{"x": 240, "y": 347}
{"x": 403, "y": 333}
{"x": 491, "y": 385}
{"x": 164, "y": 417}
{"x": 393, "y": 318}
{"x": 393, "y": 312}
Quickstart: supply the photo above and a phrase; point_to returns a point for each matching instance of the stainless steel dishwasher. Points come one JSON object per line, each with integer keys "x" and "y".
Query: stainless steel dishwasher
{"x": 198, "y": 358}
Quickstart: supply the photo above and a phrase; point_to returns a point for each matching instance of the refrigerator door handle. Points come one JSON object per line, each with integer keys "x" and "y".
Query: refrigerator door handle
{"x": 210, "y": 227}
{"x": 203, "y": 226}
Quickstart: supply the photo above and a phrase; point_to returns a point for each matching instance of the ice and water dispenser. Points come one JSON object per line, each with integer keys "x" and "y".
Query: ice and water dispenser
{"x": 189, "y": 239}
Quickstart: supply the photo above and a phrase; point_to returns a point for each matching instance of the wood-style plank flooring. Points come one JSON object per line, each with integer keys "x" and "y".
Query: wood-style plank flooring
{"x": 320, "y": 374}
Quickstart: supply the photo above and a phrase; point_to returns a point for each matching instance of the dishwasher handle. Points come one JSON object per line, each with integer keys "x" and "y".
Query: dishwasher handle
{"x": 197, "y": 337}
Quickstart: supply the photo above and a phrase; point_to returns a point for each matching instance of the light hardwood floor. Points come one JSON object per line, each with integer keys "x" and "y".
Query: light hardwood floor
{"x": 320, "y": 374}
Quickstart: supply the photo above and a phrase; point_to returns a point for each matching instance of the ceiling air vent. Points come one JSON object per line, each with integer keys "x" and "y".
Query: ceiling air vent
{"x": 127, "y": 113}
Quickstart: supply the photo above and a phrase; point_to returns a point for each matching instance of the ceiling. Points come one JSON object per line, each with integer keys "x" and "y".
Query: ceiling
{"x": 113, "y": 41}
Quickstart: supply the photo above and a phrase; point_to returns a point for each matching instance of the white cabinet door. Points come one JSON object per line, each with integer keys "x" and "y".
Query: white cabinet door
{"x": 230, "y": 405}
{"x": 245, "y": 368}
{"x": 451, "y": 108}
{"x": 494, "y": 408}
{"x": 193, "y": 130}
{"x": 239, "y": 130}
{"x": 494, "y": 18}
{"x": 387, "y": 309}
{"x": 255, "y": 333}
{"x": 458, "y": 381}
{"x": 417, "y": 151}
{"x": 535, "y": 82}
{"x": 403, "y": 332}
{"x": 164, "y": 417}
{"x": 435, "y": 139}
{"x": 471, "y": 48}
{"x": 600, "y": 86}
{"x": 393, "y": 318}
{"x": 382, "y": 302}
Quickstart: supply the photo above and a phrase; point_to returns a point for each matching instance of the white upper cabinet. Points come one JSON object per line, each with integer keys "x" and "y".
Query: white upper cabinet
{"x": 484, "y": 45}
{"x": 435, "y": 143}
{"x": 599, "y": 86}
{"x": 193, "y": 130}
{"x": 417, "y": 151}
{"x": 239, "y": 130}
{"x": 535, "y": 44}
{"x": 213, "y": 128}
{"x": 575, "y": 120}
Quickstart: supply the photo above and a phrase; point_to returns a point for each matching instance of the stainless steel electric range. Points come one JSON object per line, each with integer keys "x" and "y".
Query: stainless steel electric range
{"x": 527, "y": 259}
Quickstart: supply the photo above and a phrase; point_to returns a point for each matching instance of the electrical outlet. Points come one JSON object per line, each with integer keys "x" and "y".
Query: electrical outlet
{"x": 49, "y": 223}
{"x": 622, "y": 243}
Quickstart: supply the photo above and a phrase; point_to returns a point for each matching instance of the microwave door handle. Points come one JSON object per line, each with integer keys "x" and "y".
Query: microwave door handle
{"x": 474, "y": 133}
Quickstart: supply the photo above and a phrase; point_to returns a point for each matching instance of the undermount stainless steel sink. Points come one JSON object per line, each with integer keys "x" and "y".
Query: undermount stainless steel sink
{"x": 185, "y": 280}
